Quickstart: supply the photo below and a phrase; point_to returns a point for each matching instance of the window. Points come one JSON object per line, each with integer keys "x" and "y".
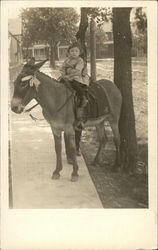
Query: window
{"x": 42, "y": 52}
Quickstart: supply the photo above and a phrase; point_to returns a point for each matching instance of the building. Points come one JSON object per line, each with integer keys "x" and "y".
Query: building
{"x": 14, "y": 41}
{"x": 38, "y": 50}
{"x": 15, "y": 58}
{"x": 41, "y": 51}
{"x": 62, "y": 48}
{"x": 106, "y": 48}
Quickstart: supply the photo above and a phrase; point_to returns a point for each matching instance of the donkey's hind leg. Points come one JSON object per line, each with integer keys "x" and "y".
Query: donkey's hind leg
{"x": 115, "y": 130}
{"x": 72, "y": 152}
{"x": 102, "y": 141}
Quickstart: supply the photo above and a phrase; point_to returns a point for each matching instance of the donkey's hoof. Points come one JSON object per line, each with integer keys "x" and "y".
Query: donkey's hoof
{"x": 69, "y": 161}
{"x": 74, "y": 178}
{"x": 55, "y": 176}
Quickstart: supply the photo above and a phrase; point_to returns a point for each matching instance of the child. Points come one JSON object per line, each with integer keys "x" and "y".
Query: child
{"x": 72, "y": 69}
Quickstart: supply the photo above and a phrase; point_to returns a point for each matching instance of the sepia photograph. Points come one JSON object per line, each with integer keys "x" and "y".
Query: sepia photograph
{"x": 78, "y": 74}
{"x": 78, "y": 127}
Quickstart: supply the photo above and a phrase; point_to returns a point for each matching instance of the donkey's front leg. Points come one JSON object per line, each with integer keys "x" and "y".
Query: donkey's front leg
{"x": 72, "y": 148}
{"x": 58, "y": 148}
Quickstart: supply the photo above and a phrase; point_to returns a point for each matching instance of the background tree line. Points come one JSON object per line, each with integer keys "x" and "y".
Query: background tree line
{"x": 52, "y": 25}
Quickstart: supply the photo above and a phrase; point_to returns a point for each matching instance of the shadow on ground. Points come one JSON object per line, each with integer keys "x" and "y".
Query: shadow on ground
{"x": 116, "y": 190}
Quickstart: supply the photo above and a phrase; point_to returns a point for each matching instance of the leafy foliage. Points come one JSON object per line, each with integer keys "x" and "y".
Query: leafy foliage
{"x": 141, "y": 20}
{"x": 139, "y": 28}
{"x": 99, "y": 33}
{"x": 48, "y": 24}
{"x": 100, "y": 14}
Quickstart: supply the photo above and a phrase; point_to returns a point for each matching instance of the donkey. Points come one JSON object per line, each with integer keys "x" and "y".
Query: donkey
{"x": 57, "y": 103}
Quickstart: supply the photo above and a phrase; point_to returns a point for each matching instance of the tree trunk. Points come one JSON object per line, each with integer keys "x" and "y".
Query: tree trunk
{"x": 93, "y": 50}
{"x": 56, "y": 51}
{"x": 52, "y": 54}
{"x": 80, "y": 36}
{"x": 123, "y": 79}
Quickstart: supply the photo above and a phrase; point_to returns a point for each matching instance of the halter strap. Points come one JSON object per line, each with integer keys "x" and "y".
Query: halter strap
{"x": 28, "y": 110}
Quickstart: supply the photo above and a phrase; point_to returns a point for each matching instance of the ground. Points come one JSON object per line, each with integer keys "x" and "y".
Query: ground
{"x": 120, "y": 190}
{"x": 116, "y": 190}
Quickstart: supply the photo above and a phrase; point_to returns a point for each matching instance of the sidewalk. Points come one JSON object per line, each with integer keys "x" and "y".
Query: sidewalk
{"x": 33, "y": 161}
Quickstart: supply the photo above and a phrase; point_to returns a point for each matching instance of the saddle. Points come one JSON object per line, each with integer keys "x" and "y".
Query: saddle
{"x": 97, "y": 101}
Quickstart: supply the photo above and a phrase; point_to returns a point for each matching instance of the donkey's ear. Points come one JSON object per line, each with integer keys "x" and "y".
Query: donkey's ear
{"x": 39, "y": 65}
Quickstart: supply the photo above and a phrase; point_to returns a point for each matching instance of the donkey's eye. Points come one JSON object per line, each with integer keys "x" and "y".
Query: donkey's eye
{"x": 24, "y": 84}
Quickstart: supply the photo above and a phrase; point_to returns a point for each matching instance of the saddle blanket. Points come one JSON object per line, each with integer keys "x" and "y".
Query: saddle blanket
{"x": 97, "y": 102}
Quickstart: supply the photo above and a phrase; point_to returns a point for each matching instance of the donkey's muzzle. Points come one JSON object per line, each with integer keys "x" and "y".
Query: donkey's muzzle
{"x": 16, "y": 106}
{"x": 16, "y": 109}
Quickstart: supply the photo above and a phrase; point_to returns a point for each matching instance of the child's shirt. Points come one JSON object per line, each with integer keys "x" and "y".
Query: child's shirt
{"x": 73, "y": 68}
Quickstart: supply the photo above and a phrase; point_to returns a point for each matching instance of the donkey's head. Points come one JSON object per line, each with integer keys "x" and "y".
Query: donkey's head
{"x": 25, "y": 87}
{"x": 24, "y": 92}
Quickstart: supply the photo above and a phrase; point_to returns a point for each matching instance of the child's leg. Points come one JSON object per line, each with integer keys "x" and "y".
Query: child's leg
{"x": 78, "y": 88}
{"x": 80, "y": 91}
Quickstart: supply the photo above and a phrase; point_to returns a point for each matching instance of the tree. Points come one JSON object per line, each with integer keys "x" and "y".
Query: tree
{"x": 139, "y": 29}
{"x": 141, "y": 20}
{"x": 49, "y": 25}
{"x": 93, "y": 49}
{"x": 81, "y": 34}
{"x": 123, "y": 79}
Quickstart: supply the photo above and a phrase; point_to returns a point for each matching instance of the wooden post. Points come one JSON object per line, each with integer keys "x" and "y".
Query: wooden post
{"x": 93, "y": 50}
{"x": 33, "y": 51}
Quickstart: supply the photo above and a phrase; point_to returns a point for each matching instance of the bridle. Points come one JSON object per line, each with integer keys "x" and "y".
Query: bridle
{"x": 30, "y": 82}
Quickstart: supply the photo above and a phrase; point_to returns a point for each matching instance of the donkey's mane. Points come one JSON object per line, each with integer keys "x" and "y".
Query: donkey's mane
{"x": 47, "y": 76}
{"x": 44, "y": 77}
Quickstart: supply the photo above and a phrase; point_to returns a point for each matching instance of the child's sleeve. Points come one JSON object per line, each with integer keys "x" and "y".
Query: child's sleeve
{"x": 78, "y": 68}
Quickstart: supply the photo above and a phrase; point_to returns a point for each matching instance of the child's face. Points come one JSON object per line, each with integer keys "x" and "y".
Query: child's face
{"x": 74, "y": 52}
